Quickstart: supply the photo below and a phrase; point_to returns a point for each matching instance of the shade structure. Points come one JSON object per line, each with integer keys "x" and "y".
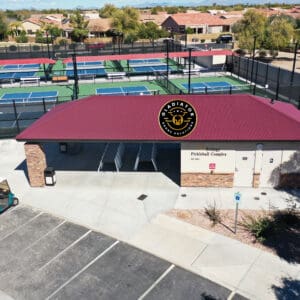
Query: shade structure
{"x": 238, "y": 117}
{"x": 148, "y": 55}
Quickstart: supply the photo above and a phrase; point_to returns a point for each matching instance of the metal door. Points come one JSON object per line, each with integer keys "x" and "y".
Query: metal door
{"x": 244, "y": 166}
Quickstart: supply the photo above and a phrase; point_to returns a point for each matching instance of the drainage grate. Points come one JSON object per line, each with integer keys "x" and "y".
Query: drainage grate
{"x": 256, "y": 198}
{"x": 183, "y": 195}
{"x": 142, "y": 197}
{"x": 263, "y": 193}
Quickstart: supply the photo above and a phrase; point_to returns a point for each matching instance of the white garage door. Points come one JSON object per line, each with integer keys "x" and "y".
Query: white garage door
{"x": 244, "y": 166}
{"x": 269, "y": 176}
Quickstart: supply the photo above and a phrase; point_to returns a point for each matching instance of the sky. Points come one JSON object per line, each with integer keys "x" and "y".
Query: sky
{"x": 44, "y": 4}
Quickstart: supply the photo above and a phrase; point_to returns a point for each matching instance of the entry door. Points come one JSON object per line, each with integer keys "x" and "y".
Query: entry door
{"x": 244, "y": 166}
{"x": 269, "y": 176}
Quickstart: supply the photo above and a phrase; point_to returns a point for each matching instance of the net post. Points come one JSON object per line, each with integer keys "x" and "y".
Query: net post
{"x": 230, "y": 90}
{"x": 205, "y": 89}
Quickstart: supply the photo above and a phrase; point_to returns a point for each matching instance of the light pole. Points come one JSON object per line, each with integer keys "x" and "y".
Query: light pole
{"x": 253, "y": 56}
{"x": 48, "y": 49}
{"x": 189, "y": 78}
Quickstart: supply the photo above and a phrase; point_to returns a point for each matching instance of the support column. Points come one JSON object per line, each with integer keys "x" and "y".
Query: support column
{"x": 36, "y": 164}
{"x": 256, "y": 180}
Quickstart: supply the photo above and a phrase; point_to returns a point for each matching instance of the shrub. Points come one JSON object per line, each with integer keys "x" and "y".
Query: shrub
{"x": 259, "y": 226}
{"x": 12, "y": 48}
{"x": 273, "y": 53}
{"x": 22, "y": 38}
{"x": 63, "y": 42}
{"x": 241, "y": 52}
{"x": 213, "y": 213}
{"x": 202, "y": 40}
{"x": 262, "y": 53}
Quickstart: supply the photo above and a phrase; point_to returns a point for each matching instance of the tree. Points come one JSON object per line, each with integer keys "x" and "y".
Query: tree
{"x": 150, "y": 31}
{"x": 107, "y": 11}
{"x": 279, "y": 33}
{"x": 15, "y": 28}
{"x": 80, "y": 31}
{"x": 131, "y": 37}
{"x": 125, "y": 20}
{"x": 3, "y": 26}
{"x": 53, "y": 30}
{"x": 253, "y": 24}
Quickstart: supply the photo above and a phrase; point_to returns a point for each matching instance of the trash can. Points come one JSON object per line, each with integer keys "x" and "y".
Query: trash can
{"x": 49, "y": 174}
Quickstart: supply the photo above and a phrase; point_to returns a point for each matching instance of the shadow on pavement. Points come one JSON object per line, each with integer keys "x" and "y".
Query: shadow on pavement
{"x": 86, "y": 157}
{"x": 289, "y": 290}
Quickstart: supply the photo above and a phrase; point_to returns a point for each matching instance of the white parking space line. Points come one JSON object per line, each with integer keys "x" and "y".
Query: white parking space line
{"x": 156, "y": 282}
{"x": 19, "y": 227}
{"x": 83, "y": 269}
{"x": 53, "y": 229}
{"x": 66, "y": 249}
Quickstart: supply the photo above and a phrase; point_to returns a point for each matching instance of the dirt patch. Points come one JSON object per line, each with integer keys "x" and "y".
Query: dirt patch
{"x": 284, "y": 242}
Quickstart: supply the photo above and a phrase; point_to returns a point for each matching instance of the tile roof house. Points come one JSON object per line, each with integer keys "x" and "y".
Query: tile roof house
{"x": 98, "y": 27}
{"x": 199, "y": 22}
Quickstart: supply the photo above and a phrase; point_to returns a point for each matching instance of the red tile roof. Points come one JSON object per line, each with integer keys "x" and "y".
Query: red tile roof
{"x": 135, "y": 118}
{"x": 197, "y": 19}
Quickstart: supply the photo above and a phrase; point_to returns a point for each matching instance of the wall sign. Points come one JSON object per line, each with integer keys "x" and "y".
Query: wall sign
{"x": 177, "y": 118}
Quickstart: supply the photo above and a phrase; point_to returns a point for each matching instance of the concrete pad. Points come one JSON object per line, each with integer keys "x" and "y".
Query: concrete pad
{"x": 217, "y": 261}
{"x": 198, "y": 198}
{"x": 4, "y": 296}
{"x": 122, "y": 273}
{"x": 171, "y": 245}
{"x": 180, "y": 284}
{"x": 266, "y": 276}
{"x": 59, "y": 270}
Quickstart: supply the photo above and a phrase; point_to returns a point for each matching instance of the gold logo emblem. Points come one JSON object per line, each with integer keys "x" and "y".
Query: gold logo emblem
{"x": 177, "y": 118}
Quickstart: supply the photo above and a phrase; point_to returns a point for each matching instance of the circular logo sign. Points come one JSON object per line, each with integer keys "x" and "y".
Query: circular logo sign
{"x": 177, "y": 118}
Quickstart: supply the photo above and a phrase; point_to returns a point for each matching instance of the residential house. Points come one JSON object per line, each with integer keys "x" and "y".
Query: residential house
{"x": 200, "y": 23}
{"x": 32, "y": 25}
{"x": 98, "y": 27}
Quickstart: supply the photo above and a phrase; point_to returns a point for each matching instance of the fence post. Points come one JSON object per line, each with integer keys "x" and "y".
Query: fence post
{"x": 239, "y": 67}
{"x": 267, "y": 74}
{"x": 16, "y": 116}
{"x": 255, "y": 79}
{"x": 44, "y": 105}
{"x": 277, "y": 84}
{"x": 247, "y": 69}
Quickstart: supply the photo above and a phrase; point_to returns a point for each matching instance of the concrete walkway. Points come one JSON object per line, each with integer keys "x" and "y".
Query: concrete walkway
{"x": 107, "y": 202}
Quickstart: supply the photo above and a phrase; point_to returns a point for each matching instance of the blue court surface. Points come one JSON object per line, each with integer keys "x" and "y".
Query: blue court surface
{"x": 202, "y": 87}
{"x": 86, "y": 64}
{"x": 151, "y": 69}
{"x": 29, "y": 97}
{"x": 128, "y": 90}
{"x": 145, "y": 61}
{"x": 70, "y": 73}
{"x": 16, "y": 67}
{"x": 16, "y": 75}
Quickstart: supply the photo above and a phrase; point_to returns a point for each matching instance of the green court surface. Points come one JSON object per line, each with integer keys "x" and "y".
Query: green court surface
{"x": 179, "y": 82}
{"x": 65, "y": 91}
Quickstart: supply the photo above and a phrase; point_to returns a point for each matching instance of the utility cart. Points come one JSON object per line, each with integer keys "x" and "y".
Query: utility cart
{"x": 7, "y": 198}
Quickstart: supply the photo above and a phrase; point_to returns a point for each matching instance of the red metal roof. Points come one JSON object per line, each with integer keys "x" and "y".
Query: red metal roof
{"x": 149, "y": 55}
{"x": 135, "y": 118}
{"x": 25, "y": 61}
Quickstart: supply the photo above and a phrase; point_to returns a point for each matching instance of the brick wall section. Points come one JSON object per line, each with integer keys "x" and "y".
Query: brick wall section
{"x": 207, "y": 179}
{"x": 36, "y": 164}
{"x": 256, "y": 180}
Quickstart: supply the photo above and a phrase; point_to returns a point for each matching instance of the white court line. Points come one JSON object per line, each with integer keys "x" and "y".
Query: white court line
{"x": 83, "y": 269}
{"x": 63, "y": 251}
{"x": 156, "y": 282}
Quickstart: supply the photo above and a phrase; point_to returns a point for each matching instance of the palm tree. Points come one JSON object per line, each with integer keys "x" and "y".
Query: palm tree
{"x": 15, "y": 28}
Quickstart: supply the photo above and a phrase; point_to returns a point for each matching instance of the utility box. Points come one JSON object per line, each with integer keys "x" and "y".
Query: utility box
{"x": 50, "y": 177}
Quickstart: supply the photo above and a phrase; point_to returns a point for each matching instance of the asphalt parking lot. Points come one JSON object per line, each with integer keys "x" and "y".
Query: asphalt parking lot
{"x": 45, "y": 257}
